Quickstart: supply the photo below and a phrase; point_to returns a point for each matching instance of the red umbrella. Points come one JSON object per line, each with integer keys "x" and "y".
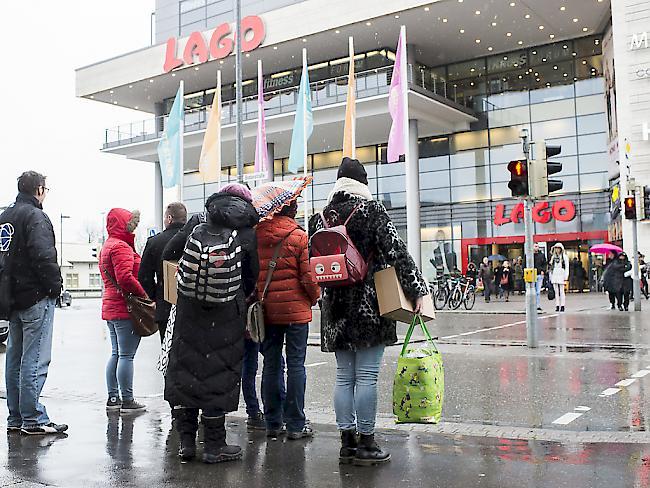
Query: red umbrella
{"x": 270, "y": 198}
{"x": 605, "y": 249}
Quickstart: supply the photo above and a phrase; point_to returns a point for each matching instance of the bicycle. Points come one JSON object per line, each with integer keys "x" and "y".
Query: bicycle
{"x": 464, "y": 293}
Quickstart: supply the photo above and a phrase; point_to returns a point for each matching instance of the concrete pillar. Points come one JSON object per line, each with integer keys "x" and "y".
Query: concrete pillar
{"x": 412, "y": 166}
{"x": 270, "y": 149}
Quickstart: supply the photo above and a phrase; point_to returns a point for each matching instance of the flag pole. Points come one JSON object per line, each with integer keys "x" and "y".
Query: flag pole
{"x": 182, "y": 141}
{"x": 304, "y": 135}
{"x": 218, "y": 94}
{"x": 354, "y": 94}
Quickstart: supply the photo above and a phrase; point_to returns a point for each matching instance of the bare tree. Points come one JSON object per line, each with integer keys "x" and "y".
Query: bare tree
{"x": 91, "y": 231}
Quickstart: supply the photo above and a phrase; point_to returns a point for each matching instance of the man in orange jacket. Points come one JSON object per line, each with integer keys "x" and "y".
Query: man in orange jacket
{"x": 287, "y": 314}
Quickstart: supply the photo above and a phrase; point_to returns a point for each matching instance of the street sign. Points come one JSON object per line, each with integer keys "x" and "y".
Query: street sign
{"x": 259, "y": 176}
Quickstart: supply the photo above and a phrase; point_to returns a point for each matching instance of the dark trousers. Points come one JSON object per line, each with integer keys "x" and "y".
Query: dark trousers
{"x": 291, "y": 409}
{"x": 248, "y": 374}
{"x": 623, "y": 298}
{"x": 487, "y": 290}
{"x": 162, "y": 326}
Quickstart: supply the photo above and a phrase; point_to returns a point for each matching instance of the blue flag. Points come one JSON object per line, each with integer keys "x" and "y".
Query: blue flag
{"x": 170, "y": 148}
{"x": 303, "y": 125}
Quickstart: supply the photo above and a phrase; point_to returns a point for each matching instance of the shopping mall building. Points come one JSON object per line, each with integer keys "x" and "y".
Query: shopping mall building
{"x": 575, "y": 73}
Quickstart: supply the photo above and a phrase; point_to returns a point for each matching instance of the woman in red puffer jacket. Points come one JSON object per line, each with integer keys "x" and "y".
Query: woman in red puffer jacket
{"x": 119, "y": 261}
{"x": 287, "y": 313}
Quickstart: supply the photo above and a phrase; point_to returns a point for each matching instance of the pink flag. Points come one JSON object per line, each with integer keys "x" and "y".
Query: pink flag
{"x": 261, "y": 152}
{"x": 396, "y": 105}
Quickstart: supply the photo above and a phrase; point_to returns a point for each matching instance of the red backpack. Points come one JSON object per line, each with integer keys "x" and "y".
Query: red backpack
{"x": 334, "y": 259}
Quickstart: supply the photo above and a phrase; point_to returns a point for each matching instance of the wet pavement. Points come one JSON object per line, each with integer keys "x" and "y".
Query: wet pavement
{"x": 496, "y": 389}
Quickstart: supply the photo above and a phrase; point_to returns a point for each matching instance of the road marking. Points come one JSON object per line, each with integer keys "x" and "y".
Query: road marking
{"x": 641, "y": 374}
{"x": 582, "y": 408}
{"x": 494, "y": 328}
{"x": 626, "y": 382}
{"x": 567, "y": 418}
{"x": 314, "y": 364}
{"x": 609, "y": 391}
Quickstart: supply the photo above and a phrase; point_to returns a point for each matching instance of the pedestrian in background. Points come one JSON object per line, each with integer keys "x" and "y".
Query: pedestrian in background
{"x": 33, "y": 283}
{"x": 626, "y": 289}
{"x": 643, "y": 276}
{"x": 471, "y": 274}
{"x": 119, "y": 262}
{"x": 486, "y": 273}
{"x": 351, "y": 326}
{"x": 518, "y": 274}
{"x": 205, "y": 359}
{"x": 558, "y": 274}
{"x": 151, "y": 267}
{"x": 291, "y": 292}
{"x": 539, "y": 261}
{"x": 505, "y": 280}
{"x": 612, "y": 279}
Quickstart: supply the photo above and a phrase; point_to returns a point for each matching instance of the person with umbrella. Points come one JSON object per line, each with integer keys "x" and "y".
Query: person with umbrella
{"x": 288, "y": 292}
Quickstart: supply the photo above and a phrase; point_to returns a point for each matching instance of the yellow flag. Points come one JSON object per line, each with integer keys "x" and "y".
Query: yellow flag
{"x": 349, "y": 129}
{"x": 210, "y": 159}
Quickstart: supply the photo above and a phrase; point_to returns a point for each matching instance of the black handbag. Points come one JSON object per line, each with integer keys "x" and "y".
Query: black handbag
{"x": 551, "y": 291}
{"x": 141, "y": 310}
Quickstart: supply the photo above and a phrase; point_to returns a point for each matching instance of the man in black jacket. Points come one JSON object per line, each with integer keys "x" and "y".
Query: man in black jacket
{"x": 151, "y": 267}
{"x": 540, "y": 263}
{"x": 27, "y": 242}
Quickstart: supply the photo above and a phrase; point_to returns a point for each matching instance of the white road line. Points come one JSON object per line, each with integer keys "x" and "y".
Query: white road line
{"x": 641, "y": 374}
{"x": 626, "y": 382}
{"x": 609, "y": 391}
{"x": 478, "y": 331}
{"x": 314, "y": 364}
{"x": 582, "y": 408}
{"x": 567, "y": 418}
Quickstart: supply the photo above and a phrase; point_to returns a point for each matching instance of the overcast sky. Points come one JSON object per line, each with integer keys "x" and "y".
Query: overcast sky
{"x": 45, "y": 128}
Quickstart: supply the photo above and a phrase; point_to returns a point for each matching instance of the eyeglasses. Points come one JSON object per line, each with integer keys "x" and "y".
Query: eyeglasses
{"x": 45, "y": 188}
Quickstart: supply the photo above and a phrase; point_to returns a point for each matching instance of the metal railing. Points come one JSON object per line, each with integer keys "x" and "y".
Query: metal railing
{"x": 326, "y": 92}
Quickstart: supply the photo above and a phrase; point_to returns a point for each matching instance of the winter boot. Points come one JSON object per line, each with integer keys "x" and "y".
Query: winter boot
{"x": 369, "y": 453}
{"x": 348, "y": 446}
{"x": 214, "y": 436}
{"x": 187, "y": 423}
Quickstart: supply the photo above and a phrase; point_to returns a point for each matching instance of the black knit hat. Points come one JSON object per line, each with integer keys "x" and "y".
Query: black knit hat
{"x": 352, "y": 168}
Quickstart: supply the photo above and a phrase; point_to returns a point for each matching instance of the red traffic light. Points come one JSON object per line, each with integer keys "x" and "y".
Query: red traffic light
{"x": 630, "y": 208}
{"x": 518, "y": 168}
{"x": 629, "y": 202}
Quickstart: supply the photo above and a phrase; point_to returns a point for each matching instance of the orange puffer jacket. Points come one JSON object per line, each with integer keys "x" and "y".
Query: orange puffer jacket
{"x": 292, "y": 291}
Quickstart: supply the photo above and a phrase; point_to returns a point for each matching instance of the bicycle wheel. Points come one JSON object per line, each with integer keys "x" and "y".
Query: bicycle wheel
{"x": 455, "y": 299}
{"x": 470, "y": 298}
{"x": 440, "y": 298}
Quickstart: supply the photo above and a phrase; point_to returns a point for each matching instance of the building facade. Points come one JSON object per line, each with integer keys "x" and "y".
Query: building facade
{"x": 478, "y": 75}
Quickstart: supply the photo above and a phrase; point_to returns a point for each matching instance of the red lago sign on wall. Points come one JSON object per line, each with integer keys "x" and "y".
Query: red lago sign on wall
{"x": 543, "y": 212}
{"x": 220, "y": 45}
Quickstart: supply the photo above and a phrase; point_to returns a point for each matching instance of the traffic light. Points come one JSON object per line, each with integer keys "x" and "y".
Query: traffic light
{"x": 541, "y": 168}
{"x": 645, "y": 208}
{"x": 630, "y": 207}
{"x": 518, "y": 177}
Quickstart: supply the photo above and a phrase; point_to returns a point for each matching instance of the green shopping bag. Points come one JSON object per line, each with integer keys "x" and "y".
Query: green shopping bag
{"x": 419, "y": 385}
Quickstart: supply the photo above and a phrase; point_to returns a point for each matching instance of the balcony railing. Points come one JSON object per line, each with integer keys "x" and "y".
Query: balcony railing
{"x": 326, "y": 92}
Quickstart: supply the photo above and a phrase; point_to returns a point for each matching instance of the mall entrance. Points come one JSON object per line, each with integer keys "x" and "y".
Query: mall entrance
{"x": 583, "y": 266}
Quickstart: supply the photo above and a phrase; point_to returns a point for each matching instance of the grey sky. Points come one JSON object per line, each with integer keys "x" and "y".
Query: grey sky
{"x": 47, "y": 129}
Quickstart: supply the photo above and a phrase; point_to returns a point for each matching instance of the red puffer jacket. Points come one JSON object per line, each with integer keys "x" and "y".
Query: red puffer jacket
{"x": 119, "y": 258}
{"x": 292, "y": 291}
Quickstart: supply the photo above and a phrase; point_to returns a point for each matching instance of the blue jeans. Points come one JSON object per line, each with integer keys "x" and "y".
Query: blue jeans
{"x": 278, "y": 406}
{"x": 355, "y": 393}
{"x": 28, "y": 357}
{"x": 538, "y": 289}
{"x": 248, "y": 374}
{"x": 119, "y": 370}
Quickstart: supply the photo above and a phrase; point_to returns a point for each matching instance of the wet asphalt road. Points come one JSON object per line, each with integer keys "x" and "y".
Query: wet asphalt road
{"x": 495, "y": 389}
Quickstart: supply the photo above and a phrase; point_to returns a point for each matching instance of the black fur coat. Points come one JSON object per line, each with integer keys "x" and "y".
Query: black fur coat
{"x": 350, "y": 315}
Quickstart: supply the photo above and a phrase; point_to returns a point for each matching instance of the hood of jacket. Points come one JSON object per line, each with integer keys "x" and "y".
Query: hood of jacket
{"x": 274, "y": 230}
{"x": 560, "y": 245}
{"x": 121, "y": 223}
{"x": 231, "y": 211}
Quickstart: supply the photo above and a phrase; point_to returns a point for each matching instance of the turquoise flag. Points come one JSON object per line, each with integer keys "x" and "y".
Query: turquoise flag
{"x": 303, "y": 125}
{"x": 170, "y": 147}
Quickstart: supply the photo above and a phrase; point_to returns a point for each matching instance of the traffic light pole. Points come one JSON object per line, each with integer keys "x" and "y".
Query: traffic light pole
{"x": 635, "y": 272}
{"x": 531, "y": 300}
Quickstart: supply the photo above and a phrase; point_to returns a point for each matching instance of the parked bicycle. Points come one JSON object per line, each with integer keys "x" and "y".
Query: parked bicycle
{"x": 453, "y": 292}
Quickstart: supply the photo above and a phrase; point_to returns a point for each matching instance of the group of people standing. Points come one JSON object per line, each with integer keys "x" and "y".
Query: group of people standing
{"x": 617, "y": 280}
{"x": 212, "y": 357}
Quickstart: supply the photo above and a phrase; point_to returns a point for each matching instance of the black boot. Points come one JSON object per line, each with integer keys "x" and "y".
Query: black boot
{"x": 214, "y": 436}
{"x": 369, "y": 453}
{"x": 349, "y": 443}
{"x": 186, "y": 421}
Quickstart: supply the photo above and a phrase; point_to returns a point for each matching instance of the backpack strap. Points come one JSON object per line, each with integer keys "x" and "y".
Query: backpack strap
{"x": 354, "y": 210}
{"x": 273, "y": 264}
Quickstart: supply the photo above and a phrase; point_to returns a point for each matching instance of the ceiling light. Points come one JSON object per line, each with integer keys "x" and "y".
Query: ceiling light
{"x": 520, "y": 42}
{"x": 462, "y": 31}
{"x": 478, "y": 12}
{"x": 472, "y": 70}
{"x": 565, "y": 47}
{"x": 337, "y": 31}
{"x": 584, "y": 61}
{"x": 534, "y": 52}
{"x": 516, "y": 64}
{"x": 248, "y": 55}
{"x": 92, "y": 96}
{"x": 151, "y": 80}
{"x": 477, "y": 41}
{"x": 562, "y": 8}
{"x": 541, "y": 27}
{"x": 173, "y": 74}
{"x": 520, "y": 77}
{"x": 565, "y": 75}
{"x": 575, "y": 20}
{"x": 527, "y": 16}
{"x": 114, "y": 103}
{"x": 508, "y": 34}
{"x": 368, "y": 23}
{"x": 574, "y": 54}
{"x": 505, "y": 58}
{"x": 585, "y": 29}
{"x": 472, "y": 83}
{"x": 460, "y": 1}
{"x": 555, "y": 67}
{"x": 196, "y": 68}
{"x": 275, "y": 48}
{"x": 221, "y": 62}
{"x": 397, "y": 16}
{"x": 136, "y": 107}
{"x": 305, "y": 40}
{"x": 512, "y": 4}
{"x": 131, "y": 86}
{"x": 444, "y": 20}
{"x": 111, "y": 92}
{"x": 494, "y": 24}
{"x": 490, "y": 48}
{"x": 543, "y": 60}
{"x": 551, "y": 36}
{"x": 537, "y": 80}
{"x": 596, "y": 42}
{"x": 426, "y": 9}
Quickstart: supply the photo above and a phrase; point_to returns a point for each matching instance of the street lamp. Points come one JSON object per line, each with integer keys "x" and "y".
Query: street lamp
{"x": 61, "y": 230}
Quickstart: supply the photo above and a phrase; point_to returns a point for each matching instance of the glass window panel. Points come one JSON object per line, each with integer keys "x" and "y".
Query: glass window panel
{"x": 391, "y": 169}
{"x": 508, "y": 99}
{"x": 434, "y": 164}
{"x": 551, "y": 93}
{"x": 469, "y": 140}
{"x": 505, "y": 135}
{"x": 510, "y": 116}
{"x": 570, "y": 182}
{"x": 435, "y": 196}
{"x": 590, "y": 124}
{"x": 436, "y": 179}
{"x": 594, "y": 162}
{"x": 588, "y": 46}
{"x": 330, "y": 159}
{"x": 592, "y": 104}
{"x": 467, "y": 69}
{"x": 507, "y": 62}
{"x": 593, "y": 181}
{"x": 569, "y": 166}
{"x": 591, "y": 67}
{"x": 478, "y": 157}
{"x": 505, "y": 154}
{"x": 470, "y": 193}
{"x": 552, "y": 110}
{"x": 569, "y": 145}
{"x": 590, "y": 86}
{"x": 501, "y": 190}
{"x": 551, "y": 53}
{"x": 553, "y": 129}
{"x": 592, "y": 143}
{"x": 470, "y": 176}
{"x": 436, "y": 146}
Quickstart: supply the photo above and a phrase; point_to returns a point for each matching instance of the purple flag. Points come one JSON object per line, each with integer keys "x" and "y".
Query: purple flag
{"x": 396, "y": 106}
{"x": 261, "y": 152}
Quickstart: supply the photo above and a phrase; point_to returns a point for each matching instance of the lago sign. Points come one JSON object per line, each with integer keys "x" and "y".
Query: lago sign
{"x": 543, "y": 212}
{"x": 198, "y": 49}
